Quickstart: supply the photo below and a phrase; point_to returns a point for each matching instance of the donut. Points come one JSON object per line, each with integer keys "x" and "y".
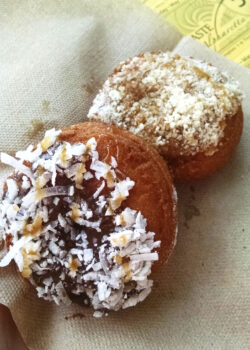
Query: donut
{"x": 86, "y": 214}
{"x": 185, "y": 107}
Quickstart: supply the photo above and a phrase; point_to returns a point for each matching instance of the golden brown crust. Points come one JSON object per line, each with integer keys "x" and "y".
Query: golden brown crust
{"x": 186, "y": 168}
{"x": 153, "y": 193}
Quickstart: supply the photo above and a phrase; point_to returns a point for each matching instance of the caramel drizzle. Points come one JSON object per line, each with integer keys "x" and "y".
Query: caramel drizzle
{"x": 46, "y": 143}
{"x": 40, "y": 193}
{"x": 122, "y": 220}
{"x": 79, "y": 174}
{"x": 63, "y": 155}
{"x": 74, "y": 265}
{"x": 121, "y": 241}
{"x": 125, "y": 262}
{"x": 75, "y": 213}
{"x": 110, "y": 179}
{"x": 33, "y": 229}
{"x": 115, "y": 203}
{"x": 28, "y": 258}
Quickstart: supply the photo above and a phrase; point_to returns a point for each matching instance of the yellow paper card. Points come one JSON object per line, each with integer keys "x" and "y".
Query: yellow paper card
{"x": 223, "y": 25}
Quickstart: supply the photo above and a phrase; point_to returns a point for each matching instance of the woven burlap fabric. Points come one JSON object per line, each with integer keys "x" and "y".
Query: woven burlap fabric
{"x": 54, "y": 56}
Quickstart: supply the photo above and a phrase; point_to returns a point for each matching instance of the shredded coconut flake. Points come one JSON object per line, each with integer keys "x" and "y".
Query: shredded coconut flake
{"x": 7, "y": 159}
{"x": 98, "y": 314}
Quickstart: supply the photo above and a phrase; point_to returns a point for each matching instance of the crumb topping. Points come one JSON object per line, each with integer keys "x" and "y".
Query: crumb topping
{"x": 72, "y": 235}
{"x": 170, "y": 101}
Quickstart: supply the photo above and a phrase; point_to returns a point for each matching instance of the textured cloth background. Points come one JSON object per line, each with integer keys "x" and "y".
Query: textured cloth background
{"x": 54, "y": 55}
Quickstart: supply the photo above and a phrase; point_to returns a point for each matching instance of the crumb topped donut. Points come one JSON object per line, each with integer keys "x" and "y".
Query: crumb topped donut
{"x": 86, "y": 214}
{"x": 187, "y": 108}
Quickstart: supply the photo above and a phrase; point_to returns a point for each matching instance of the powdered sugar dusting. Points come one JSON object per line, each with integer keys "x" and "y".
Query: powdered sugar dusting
{"x": 170, "y": 101}
{"x": 69, "y": 242}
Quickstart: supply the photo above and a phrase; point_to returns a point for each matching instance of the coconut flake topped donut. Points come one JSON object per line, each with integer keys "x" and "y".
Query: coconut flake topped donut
{"x": 71, "y": 225}
{"x": 181, "y": 105}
